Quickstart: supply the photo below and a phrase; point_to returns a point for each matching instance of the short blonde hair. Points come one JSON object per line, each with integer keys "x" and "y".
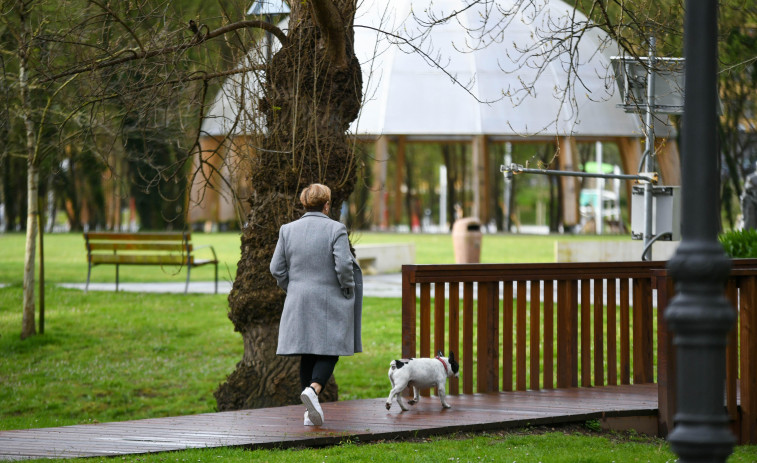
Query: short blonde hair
{"x": 315, "y": 196}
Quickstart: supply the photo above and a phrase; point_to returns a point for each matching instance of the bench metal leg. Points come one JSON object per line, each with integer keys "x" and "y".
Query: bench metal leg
{"x": 186, "y": 287}
{"x": 89, "y": 272}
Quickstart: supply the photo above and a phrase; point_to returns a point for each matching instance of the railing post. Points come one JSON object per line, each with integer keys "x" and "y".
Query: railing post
{"x": 748, "y": 328}
{"x": 520, "y": 336}
{"x": 567, "y": 333}
{"x": 549, "y": 335}
{"x": 535, "y": 338}
{"x": 642, "y": 331}
{"x": 467, "y": 338}
{"x": 408, "y": 311}
{"x": 488, "y": 337}
{"x": 454, "y": 331}
{"x": 507, "y": 336}
{"x": 666, "y": 380}
{"x": 732, "y": 359}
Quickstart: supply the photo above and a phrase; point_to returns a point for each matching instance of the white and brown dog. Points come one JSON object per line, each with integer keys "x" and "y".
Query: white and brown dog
{"x": 420, "y": 374}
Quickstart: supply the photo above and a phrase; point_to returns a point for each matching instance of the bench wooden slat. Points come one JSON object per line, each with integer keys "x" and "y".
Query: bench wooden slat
{"x": 151, "y": 236}
{"x": 132, "y": 259}
{"x": 140, "y": 246}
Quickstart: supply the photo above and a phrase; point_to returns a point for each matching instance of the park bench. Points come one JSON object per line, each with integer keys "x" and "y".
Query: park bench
{"x": 170, "y": 248}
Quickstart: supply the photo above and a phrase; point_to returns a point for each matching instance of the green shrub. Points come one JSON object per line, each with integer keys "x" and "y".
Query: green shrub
{"x": 740, "y": 243}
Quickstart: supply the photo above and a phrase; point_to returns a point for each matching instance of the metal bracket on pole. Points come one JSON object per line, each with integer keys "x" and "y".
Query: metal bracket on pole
{"x": 648, "y": 179}
{"x": 515, "y": 169}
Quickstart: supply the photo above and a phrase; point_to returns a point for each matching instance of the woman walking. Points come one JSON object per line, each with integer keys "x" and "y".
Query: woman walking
{"x": 321, "y": 320}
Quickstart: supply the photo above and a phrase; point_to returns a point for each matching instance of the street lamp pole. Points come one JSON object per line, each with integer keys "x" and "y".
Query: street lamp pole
{"x": 699, "y": 315}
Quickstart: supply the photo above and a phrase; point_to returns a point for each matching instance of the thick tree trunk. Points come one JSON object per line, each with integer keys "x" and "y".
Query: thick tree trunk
{"x": 310, "y": 99}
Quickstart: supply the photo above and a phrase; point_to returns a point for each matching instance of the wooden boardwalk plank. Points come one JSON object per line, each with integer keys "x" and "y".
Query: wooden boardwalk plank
{"x": 365, "y": 420}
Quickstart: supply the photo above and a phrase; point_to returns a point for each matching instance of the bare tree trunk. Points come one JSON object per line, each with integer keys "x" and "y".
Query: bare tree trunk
{"x": 27, "y": 323}
{"x": 312, "y": 94}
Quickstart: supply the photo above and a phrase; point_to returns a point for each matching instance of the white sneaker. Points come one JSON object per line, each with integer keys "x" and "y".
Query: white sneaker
{"x": 310, "y": 399}
{"x": 307, "y": 421}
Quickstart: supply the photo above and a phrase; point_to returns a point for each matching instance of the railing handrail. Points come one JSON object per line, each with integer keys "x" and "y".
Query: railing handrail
{"x": 460, "y": 273}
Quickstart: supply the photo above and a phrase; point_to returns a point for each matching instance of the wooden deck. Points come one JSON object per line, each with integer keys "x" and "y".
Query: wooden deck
{"x": 362, "y": 420}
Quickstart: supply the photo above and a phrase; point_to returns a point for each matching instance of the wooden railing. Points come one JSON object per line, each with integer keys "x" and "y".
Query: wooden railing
{"x": 537, "y": 326}
{"x": 741, "y": 352}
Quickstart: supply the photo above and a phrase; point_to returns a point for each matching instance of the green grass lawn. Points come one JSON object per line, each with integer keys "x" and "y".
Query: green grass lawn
{"x": 66, "y": 256}
{"x": 111, "y": 357}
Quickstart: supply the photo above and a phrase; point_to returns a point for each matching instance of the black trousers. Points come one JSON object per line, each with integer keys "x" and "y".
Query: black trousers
{"x": 316, "y": 369}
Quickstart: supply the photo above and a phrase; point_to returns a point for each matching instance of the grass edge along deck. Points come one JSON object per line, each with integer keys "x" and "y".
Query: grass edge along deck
{"x": 363, "y": 420}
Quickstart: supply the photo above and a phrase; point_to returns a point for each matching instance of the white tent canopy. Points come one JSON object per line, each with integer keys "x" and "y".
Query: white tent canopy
{"x": 512, "y": 74}
{"x": 502, "y": 69}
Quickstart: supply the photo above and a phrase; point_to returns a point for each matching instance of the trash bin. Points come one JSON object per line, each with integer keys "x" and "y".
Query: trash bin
{"x": 466, "y": 239}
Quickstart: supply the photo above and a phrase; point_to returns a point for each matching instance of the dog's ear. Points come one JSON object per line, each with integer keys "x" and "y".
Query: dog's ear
{"x": 453, "y": 363}
{"x": 440, "y": 354}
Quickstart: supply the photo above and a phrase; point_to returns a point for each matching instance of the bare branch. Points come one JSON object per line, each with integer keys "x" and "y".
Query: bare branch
{"x": 196, "y": 40}
{"x": 429, "y": 59}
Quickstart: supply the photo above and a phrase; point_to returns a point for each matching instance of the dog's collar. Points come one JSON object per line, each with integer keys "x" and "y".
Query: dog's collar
{"x": 446, "y": 368}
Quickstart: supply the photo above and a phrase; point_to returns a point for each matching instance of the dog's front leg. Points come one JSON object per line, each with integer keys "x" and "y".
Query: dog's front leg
{"x": 443, "y": 395}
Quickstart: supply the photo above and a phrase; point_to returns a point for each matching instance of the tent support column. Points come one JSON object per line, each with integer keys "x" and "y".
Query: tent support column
{"x": 481, "y": 179}
{"x": 379, "y": 182}
{"x": 568, "y": 152}
{"x": 203, "y": 195}
{"x": 668, "y": 160}
{"x": 630, "y": 156}
{"x": 399, "y": 180}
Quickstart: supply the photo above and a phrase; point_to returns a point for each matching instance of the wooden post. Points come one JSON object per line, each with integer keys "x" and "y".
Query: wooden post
{"x": 748, "y": 322}
{"x": 488, "y": 337}
{"x": 535, "y": 338}
{"x": 399, "y": 179}
{"x": 630, "y": 156}
{"x": 669, "y": 161}
{"x": 520, "y": 338}
{"x": 379, "y": 182}
{"x": 203, "y": 193}
{"x": 666, "y": 377}
{"x": 642, "y": 331}
{"x": 567, "y": 333}
{"x": 408, "y": 312}
{"x": 467, "y": 338}
{"x": 507, "y": 336}
{"x": 454, "y": 331}
{"x": 567, "y": 159}
{"x": 481, "y": 181}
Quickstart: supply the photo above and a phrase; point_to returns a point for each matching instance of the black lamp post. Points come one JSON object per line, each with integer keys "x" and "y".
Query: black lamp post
{"x": 699, "y": 315}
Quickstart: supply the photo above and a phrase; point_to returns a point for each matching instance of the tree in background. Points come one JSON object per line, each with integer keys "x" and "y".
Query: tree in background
{"x": 82, "y": 78}
{"x": 738, "y": 94}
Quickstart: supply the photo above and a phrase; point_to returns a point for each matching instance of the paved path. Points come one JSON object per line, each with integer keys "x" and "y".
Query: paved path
{"x": 386, "y": 285}
{"x": 389, "y": 285}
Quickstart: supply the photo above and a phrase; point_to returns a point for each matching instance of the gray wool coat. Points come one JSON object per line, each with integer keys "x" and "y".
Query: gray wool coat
{"x": 324, "y": 285}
